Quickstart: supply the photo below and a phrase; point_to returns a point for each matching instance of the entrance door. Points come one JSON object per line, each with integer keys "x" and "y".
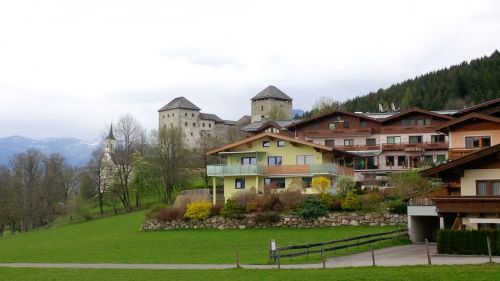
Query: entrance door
{"x": 415, "y": 161}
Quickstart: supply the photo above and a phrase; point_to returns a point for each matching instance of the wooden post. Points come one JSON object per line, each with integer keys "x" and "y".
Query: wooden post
{"x": 323, "y": 256}
{"x": 488, "y": 241}
{"x": 346, "y": 247}
{"x": 278, "y": 257}
{"x": 237, "y": 258}
{"x": 214, "y": 191}
{"x": 373, "y": 256}
{"x": 307, "y": 252}
{"x": 271, "y": 256}
{"x": 428, "y": 253}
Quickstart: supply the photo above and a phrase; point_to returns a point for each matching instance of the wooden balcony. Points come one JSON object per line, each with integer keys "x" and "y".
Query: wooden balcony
{"x": 467, "y": 204}
{"x": 407, "y": 129}
{"x": 415, "y": 147}
{"x": 261, "y": 170}
{"x": 455, "y": 153}
{"x": 357, "y": 147}
{"x": 341, "y": 132}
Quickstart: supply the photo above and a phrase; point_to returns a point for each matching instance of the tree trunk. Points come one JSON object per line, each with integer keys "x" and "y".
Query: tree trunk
{"x": 101, "y": 195}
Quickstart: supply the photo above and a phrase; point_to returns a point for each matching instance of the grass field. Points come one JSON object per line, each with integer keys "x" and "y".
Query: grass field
{"x": 434, "y": 273}
{"x": 118, "y": 240}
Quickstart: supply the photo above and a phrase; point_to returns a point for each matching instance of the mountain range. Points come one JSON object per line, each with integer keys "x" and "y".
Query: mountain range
{"x": 76, "y": 151}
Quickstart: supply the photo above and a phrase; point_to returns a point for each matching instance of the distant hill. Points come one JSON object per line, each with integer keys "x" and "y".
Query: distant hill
{"x": 298, "y": 112}
{"x": 77, "y": 152}
{"x": 460, "y": 85}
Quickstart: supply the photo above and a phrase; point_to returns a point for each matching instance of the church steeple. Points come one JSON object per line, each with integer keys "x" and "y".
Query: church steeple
{"x": 110, "y": 135}
{"x": 109, "y": 146}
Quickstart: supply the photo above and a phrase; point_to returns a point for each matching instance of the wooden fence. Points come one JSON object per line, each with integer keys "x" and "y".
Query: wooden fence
{"x": 276, "y": 253}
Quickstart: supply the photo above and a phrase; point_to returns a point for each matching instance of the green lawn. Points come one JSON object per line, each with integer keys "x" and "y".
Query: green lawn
{"x": 434, "y": 273}
{"x": 118, "y": 240}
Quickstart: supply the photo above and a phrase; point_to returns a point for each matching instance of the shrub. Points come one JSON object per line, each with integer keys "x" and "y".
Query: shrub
{"x": 198, "y": 211}
{"x": 351, "y": 202}
{"x": 345, "y": 184}
{"x": 398, "y": 207}
{"x": 335, "y": 205}
{"x": 267, "y": 217}
{"x": 269, "y": 203}
{"x": 215, "y": 209}
{"x": 170, "y": 214}
{"x": 251, "y": 207}
{"x": 232, "y": 210}
{"x": 155, "y": 209}
{"x": 321, "y": 185}
{"x": 468, "y": 242}
{"x": 371, "y": 201}
{"x": 312, "y": 207}
{"x": 291, "y": 198}
{"x": 243, "y": 198}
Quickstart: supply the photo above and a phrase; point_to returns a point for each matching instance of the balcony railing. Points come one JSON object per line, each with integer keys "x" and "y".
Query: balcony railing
{"x": 467, "y": 204}
{"x": 421, "y": 201}
{"x": 261, "y": 170}
{"x": 415, "y": 147}
{"x": 357, "y": 147}
{"x": 455, "y": 153}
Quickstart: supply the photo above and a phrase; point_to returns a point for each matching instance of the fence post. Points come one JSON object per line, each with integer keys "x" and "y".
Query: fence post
{"x": 323, "y": 256}
{"x": 428, "y": 253}
{"x": 237, "y": 258}
{"x": 346, "y": 246}
{"x": 272, "y": 251}
{"x": 307, "y": 252}
{"x": 373, "y": 256}
{"x": 278, "y": 257}
{"x": 488, "y": 241}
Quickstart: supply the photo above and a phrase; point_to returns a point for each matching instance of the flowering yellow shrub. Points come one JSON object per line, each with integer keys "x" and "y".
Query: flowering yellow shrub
{"x": 198, "y": 210}
{"x": 321, "y": 185}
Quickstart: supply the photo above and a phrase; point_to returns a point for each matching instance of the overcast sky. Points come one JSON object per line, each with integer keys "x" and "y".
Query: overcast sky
{"x": 67, "y": 67}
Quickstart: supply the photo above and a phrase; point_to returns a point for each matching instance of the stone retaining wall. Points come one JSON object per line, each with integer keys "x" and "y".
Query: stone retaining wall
{"x": 331, "y": 220}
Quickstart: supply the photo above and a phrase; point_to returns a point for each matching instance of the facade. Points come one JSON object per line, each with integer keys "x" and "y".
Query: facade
{"x": 397, "y": 142}
{"x": 270, "y": 101}
{"x": 182, "y": 113}
{"x": 270, "y": 162}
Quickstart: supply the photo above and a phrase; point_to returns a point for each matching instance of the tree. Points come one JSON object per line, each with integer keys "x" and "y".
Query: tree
{"x": 142, "y": 177}
{"x": 321, "y": 185}
{"x": 345, "y": 184}
{"x": 411, "y": 182}
{"x": 325, "y": 104}
{"x": 276, "y": 113}
{"x": 130, "y": 138}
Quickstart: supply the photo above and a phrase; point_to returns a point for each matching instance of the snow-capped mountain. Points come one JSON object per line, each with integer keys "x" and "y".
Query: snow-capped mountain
{"x": 77, "y": 152}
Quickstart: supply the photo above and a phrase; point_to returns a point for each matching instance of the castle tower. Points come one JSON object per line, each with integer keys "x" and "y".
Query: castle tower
{"x": 271, "y": 103}
{"x": 182, "y": 113}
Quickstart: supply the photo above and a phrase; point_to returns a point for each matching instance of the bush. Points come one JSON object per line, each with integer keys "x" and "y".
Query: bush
{"x": 242, "y": 198}
{"x": 269, "y": 203}
{"x": 267, "y": 217}
{"x": 351, "y": 202}
{"x": 155, "y": 209}
{"x": 371, "y": 201}
{"x": 345, "y": 184}
{"x": 320, "y": 185}
{"x": 198, "y": 211}
{"x": 398, "y": 207}
{"x": 170, "y": 214}
{"x": 312, "y": 207}
{"x": 291, "y": 198}
{"x": 468, "y": 242}
{"x": 215, "y": 209}
{"x": 232, "y": 210}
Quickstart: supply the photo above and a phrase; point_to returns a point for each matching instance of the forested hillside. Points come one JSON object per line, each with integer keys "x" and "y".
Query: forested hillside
{"x": 461, "y": 85}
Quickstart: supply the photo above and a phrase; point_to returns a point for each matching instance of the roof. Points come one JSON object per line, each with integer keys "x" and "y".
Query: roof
{"x": 412, "y": 110}
{"x": 180, "y": 102}
{"x": 230, "y": 122}
{"x": 444, "y": 127}
{"x": 478, "y": 107}
{"x": 212, "y": 117}
{"x": 111, "y": 136}
{"x": 277, "y": 136}
{"x": 271, "y": 92}
{"x": 324, "y": 115}
{"x": 461, "y": 161}
{"x": 258, "y": 125}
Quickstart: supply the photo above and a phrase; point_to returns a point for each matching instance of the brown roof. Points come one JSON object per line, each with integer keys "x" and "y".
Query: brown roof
{"x": 327, "y": 114}
{"x": 477, "y": 108}
{"x": 444, "y": 127}
{"x": 277, "y": 136}
{"x": 461, "y": 161}
{"x": 419, "y": 110}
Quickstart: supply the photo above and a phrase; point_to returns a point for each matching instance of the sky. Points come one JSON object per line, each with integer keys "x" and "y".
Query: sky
{"x": 68, "y": 68}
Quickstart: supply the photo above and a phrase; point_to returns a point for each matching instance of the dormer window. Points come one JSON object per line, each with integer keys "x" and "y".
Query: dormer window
{"x": 266, "y": 144}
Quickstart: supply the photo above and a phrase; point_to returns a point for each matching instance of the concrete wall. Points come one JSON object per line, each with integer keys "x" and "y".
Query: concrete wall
{"x": 423, "y": 222}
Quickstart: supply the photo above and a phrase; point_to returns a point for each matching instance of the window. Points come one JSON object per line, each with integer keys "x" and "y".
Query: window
{"x": 415, "y": 139}
{"x": 330, "y": 143}
{"x": 428, "y": 121}
{"x": 477, "y": 142}
{"x": 185, "y": 114}
{"x": 277, "y": 182}
{"x": 266, "y": 144}
{"x": 203, "y": 125}
{"x": 389, "y": 161}
{"x": 191, "y": 133}
{"x": 371, "y": 142}
{"x": 420, "y": 122}
{"x": 209, "y": 125}
{"x": 401, "y": 160}
{"x": 438, "y": 138}
{"x": 185, "y": 124}
{"x": 440, "y": 158}
{"x": 281, "y": 143}
{"x": 362, "y": 123}
{"x": 173, "y": 115}
{"x": 346, "y": 124}
{"x": 428, "y": 159}
{"x": 306, "y": 182}
{"x": 274, "y": 161}
{"x": 408, "y": 122}
{"x": 192, "y": 114}
{"x": 248, "y": 160}
{"x": 332, "y": 127}
{"x": 304, "y": 159}
{"x": 239, "y": 183}
{"x": 348, "y": 142}
{"x": 487, "y": 187}
{"x": 168, "y": 115}
{"x": 315, "y": 126}
{"x": 194, "y": 124}
{"x": 163, "y": 116}
{"x": 261, "y": 108}
{"x": 394, "y": 140}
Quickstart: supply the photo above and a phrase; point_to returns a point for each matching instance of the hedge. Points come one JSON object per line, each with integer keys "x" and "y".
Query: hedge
{"x": 468, "y": 242}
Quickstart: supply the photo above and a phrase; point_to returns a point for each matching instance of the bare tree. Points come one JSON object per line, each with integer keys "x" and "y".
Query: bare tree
{"x": 325, "y": 104}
